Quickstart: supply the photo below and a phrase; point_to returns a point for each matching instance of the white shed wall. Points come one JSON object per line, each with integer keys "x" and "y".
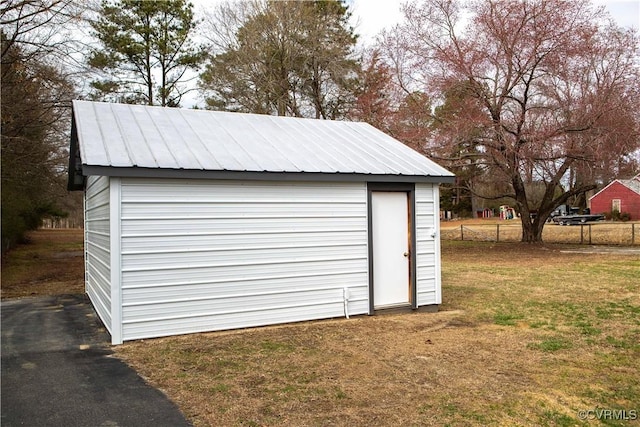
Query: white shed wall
{"x": 212, "y": 255}
{"x": 98, "y": 247}
{"x": 427, "y": 244}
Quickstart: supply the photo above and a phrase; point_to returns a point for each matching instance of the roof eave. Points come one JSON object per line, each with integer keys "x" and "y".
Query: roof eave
{"x": 137, "y": 172}
{"x": 75, "y": 180}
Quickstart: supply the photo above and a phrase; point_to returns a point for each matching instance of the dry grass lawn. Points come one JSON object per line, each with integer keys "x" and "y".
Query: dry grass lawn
{"x": 597, "y": 233}
{"x": 51, "y": 262}
{"x": 526, "y": 335}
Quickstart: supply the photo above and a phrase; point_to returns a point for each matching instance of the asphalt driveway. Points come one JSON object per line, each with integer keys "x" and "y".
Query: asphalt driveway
{"x": 57, "y": 370}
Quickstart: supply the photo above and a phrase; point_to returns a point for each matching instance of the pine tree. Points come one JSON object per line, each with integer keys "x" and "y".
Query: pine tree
{"x": 146, "y": 51}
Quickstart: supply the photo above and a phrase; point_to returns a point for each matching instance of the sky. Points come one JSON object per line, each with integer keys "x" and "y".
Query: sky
{"x": 372, "y": 16}
{"x": 625, "y": 12}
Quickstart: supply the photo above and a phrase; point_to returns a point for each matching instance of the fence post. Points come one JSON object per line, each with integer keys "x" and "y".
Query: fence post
{"x": 461, "y": 232}
{"x": 589, "y": 233}
{"x": 497, "y": 232}
{"x": 581, "y": 234}
{"x": 633, "y": 234}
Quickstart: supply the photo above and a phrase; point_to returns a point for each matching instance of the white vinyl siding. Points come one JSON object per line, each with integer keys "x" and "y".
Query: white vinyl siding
{"x": 98, "y": 247}
{"x": 427, "y": 246}
{"x": 212, "y": 255}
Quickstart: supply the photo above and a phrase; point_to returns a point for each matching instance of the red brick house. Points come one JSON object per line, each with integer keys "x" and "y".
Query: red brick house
{"x": 622, "y": 195}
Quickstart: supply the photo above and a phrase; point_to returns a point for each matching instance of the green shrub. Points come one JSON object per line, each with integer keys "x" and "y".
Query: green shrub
{"x": 616, "y": 215}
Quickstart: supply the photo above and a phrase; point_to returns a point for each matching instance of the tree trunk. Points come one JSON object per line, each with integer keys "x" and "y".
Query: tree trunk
{"x": 531, "y": 230}
{"x": 149, "y": 87}
{"x": 147, "y": 59}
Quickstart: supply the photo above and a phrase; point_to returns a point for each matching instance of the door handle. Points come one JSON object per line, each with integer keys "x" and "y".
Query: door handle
{"x": 406, "y": 254}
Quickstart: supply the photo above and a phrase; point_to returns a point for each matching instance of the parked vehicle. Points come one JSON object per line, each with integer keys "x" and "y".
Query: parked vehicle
{"x": 566, "y": 215}
{"x": 576, "y": 219}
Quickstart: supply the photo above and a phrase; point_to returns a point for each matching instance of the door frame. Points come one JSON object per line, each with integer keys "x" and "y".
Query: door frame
{"x": 410, "y": 190}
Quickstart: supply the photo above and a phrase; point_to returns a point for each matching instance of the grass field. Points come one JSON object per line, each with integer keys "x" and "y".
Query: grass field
{"x": 526, "y": 335}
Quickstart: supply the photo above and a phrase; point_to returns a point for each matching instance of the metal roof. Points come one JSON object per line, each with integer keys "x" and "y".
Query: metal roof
{"x": 136, "y": 140}
{"x": 632, "y": 184}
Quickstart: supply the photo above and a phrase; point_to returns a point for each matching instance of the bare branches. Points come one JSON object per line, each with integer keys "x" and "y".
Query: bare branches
{"x": 43, "y": 28}
{"x": 35, "y": 121}
{"x": 532, "y": 90}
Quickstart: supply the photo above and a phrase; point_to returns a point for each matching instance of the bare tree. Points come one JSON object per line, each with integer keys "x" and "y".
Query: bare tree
{"x": 543, "y": 88}
{"x": 34, "y": 136}
{"x": 376, "y": 98}
{"x": 41, "y": 61}
{"x": 44, "y": 29}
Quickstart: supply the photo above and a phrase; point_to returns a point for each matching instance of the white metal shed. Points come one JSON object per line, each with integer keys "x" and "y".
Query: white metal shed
{"x": 199, "y": 220}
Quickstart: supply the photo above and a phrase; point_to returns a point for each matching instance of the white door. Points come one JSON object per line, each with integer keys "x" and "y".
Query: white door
{"x": 390, "y": 239}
